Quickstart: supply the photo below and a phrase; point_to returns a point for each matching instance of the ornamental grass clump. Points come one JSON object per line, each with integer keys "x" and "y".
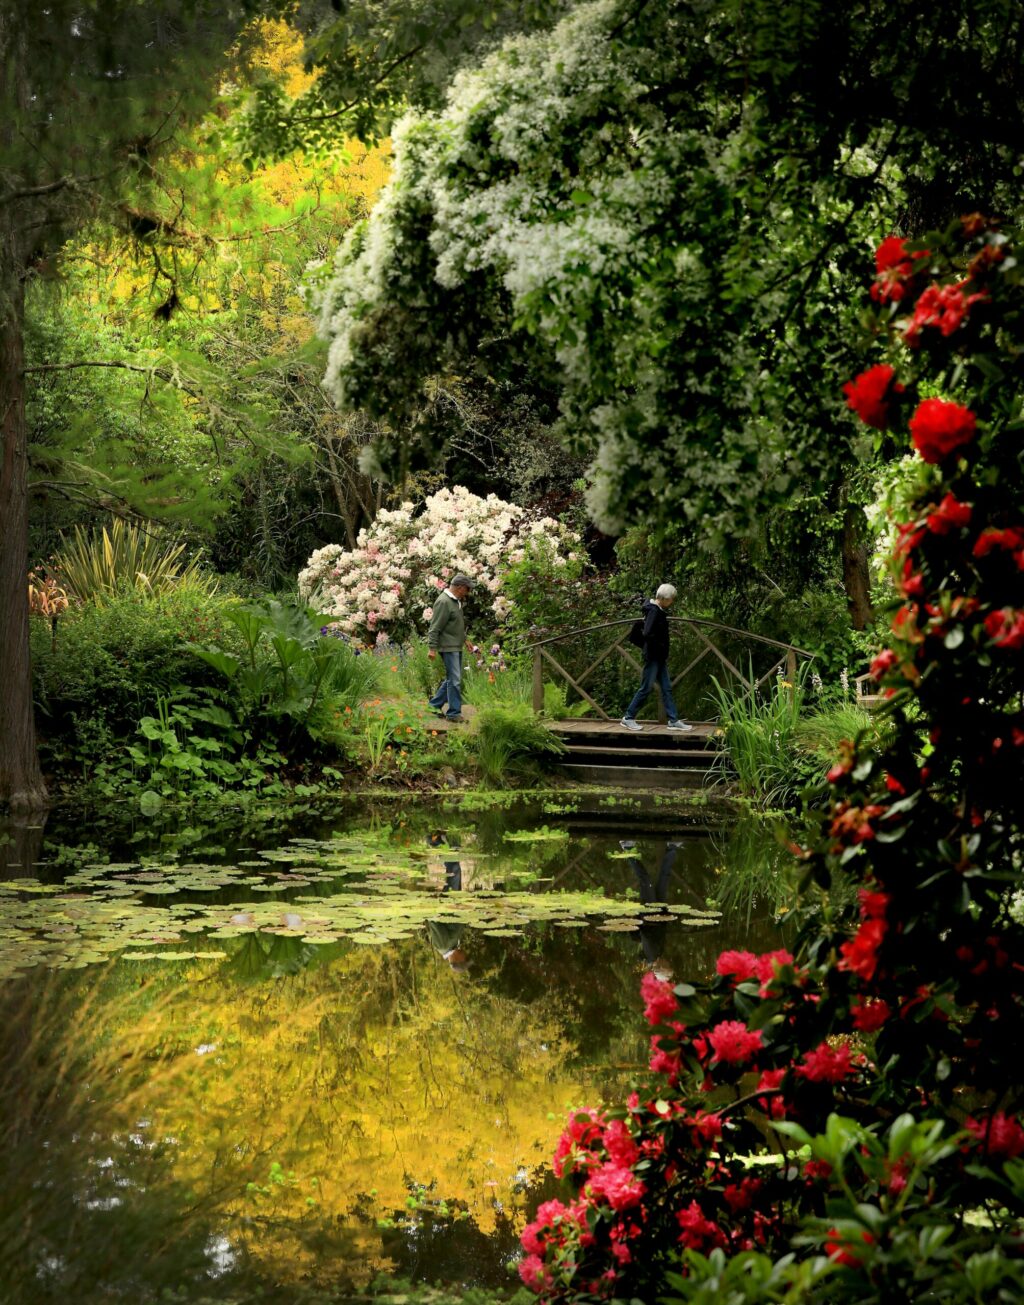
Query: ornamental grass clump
{"x": 844, "y": 1122}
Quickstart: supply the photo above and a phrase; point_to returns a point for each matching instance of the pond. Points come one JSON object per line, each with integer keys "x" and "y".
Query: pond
{"x": 339, "y": 1043}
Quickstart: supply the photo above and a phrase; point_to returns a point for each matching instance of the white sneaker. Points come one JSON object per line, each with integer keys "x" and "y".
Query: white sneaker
{"x": 630, "y": 724}
{"x": 678, "y": 725}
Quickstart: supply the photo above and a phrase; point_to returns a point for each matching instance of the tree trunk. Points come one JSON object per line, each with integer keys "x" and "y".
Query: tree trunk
{"x": 21, "y": 781}
{"x": 856, "y": 579}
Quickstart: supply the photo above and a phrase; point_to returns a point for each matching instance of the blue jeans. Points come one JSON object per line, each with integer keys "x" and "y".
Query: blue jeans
{"x": 653, "y": 671}
{"x": 450, "y": 689}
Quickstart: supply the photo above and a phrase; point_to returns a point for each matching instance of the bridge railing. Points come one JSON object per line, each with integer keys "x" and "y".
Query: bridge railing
{"x": 702, "y": 648}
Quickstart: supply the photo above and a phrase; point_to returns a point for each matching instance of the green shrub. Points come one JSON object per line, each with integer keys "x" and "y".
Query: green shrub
{"x": 510, "y": 738}
{"x": 111, "y": 664}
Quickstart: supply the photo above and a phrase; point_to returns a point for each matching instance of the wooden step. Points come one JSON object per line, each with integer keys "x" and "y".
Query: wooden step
{"x": 636, "y": 776}
{"x": 600, "y": 754}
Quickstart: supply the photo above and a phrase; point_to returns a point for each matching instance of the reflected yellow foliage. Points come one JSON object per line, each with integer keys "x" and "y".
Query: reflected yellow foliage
{"x": 379, "y": 1069}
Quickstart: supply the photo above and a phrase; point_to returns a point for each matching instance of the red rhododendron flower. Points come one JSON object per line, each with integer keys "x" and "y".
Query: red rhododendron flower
{"x": 733, "y": 1042}
{"x": 616, "y": 1185}
{"x": 740, "y": 1196}
{"x": 860, "y": 954}
{"x": 894, "y": 266}
{"x": 853, "y": 824}
{"x": 707, "y": 1127}
{"x": 883, "y": 663}
{"x": 826, "y": 1064}
{"x": 817, "y": 1169}
{"x": 659, "y": 1000}
{"x": 944, "y": 307}
{"x": 873, "y": 905}
{"x": 1000, "y": 1135}
{"x": 697, "y": 1229}
{"x": 869, "y": 1016}
{"x": 939, "y": 427}
{"x": 741, "y": 965}
{"x": 1006, "y": 628}
{"x": 842, "y": 1251}
{"x": 774, "y": 1106}
{"x": 869, "y": 395}
{"x": 1004, "y": 540}
{"x": 769, "y": 962}
{"x": 949, "y": 515}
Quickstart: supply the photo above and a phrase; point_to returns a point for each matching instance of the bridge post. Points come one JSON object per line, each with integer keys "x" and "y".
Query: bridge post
{"x": 791, "y": 672}
{"x": 538, "y": 682}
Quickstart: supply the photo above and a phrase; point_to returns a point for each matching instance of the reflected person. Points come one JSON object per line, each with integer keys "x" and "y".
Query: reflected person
{"x": 445, "y": 936}
{"x": 653, "y": 935}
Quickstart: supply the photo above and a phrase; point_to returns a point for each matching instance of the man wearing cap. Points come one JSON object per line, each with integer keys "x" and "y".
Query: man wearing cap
{"x": 447, "y": 636}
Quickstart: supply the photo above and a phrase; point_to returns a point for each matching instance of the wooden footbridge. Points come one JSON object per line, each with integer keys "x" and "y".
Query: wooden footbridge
{"x": 596, "y": 671}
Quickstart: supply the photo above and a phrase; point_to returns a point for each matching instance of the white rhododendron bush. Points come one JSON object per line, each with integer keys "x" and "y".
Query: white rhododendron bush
{"x": 386, "y": 585}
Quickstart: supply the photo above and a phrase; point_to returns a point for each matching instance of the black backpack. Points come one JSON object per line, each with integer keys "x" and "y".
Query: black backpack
{"x": 636, "y": 633}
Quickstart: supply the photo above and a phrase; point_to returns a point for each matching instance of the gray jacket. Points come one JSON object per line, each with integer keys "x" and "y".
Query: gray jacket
{"x": 447, "y": 632}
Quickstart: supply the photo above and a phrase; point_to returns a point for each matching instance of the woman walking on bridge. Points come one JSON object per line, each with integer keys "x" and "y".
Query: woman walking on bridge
{"x": 655, "y": 645}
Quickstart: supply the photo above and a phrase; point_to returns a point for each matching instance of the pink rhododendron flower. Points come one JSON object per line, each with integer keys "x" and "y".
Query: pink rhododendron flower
{"x": 733, "y": 1042}
{"x": 659, "y": 1000}
{"x": 740, "y": 965}
{"x": 618, "y": 1186}
{"x": 826, "y": 1064}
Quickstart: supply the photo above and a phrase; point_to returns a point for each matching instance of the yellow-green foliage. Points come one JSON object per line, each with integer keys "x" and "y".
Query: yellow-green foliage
{"x": 95, "y": 566}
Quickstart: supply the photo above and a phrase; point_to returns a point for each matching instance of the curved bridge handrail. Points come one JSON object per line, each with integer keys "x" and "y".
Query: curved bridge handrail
{"x": 685, "y": 620}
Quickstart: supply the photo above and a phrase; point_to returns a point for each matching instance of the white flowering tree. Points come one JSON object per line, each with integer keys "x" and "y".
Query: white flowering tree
{"x": 664, "y": 209}
{"x": 385, "y": 586}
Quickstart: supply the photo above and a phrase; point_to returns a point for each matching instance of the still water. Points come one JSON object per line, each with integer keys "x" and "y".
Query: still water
{"x": 339, "y": 1043}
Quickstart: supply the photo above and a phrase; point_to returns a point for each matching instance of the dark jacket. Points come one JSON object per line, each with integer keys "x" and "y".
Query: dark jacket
{"x": 447, "y": 632}
{"x": 655, "y": 633}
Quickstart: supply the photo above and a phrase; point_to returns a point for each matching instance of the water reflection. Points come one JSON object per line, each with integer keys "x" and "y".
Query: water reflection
{"x": 338, "y": 1108}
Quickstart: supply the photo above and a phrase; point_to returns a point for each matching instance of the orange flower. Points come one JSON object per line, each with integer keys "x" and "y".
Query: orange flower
{"x": 348, "y": 711}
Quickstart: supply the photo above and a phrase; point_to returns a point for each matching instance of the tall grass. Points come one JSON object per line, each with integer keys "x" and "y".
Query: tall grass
{"x": 510, "y": 738}
{"x": 759, "y": 736}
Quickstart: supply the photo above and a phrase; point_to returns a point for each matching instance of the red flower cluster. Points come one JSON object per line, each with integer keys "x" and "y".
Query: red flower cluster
{"x": 698, "y": 1231}
{"x": 744, "y": 966}
{"x": 869, "y": 1016}
{"x": 999, "y": 1135}
{"x": 852, "y": 824}
{"x": 944, "y": 307}
{"x": 860, "y": 954}
{"x": 827, "y": 1064}
{"x": 939, "y": 427}
{"x": 870, "y": 393}
{"x": 844, "y": 1252}
{"x": 949, "y": 515}
{"x": 1010, "y": 540}
{"x": 894, "y": 267}
{"x": 1005, "y": 628}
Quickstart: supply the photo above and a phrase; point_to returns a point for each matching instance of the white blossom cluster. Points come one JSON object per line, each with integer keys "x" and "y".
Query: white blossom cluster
{"x": 407, "y": 556}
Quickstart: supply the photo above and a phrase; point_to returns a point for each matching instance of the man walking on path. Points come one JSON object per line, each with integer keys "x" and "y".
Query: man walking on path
{"x": 447, "y": 635}
{"x": 655, "y": 643}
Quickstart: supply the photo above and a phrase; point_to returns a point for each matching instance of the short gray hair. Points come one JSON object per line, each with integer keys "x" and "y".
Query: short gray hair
{"x": 666, "y": 591}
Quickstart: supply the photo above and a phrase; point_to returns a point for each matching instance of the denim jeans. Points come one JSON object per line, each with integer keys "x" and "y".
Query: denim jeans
{"x": 654, "y": 671}
{"x": 450, "y": 688}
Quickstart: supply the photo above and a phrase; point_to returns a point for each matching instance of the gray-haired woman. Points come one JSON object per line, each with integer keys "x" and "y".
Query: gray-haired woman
{"x": 655, "y": 671}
